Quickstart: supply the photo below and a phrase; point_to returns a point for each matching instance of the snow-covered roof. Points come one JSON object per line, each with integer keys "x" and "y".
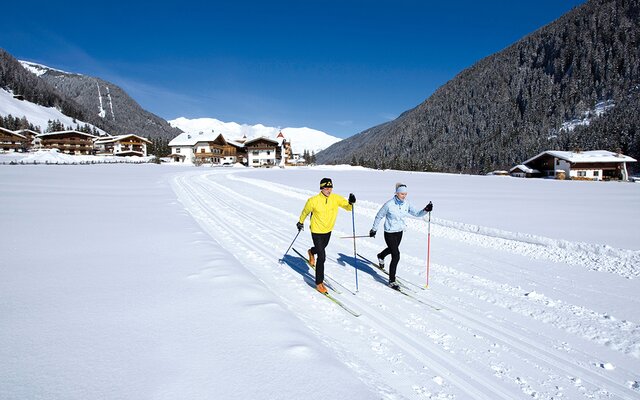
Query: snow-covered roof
{"x": 592, "y": 156}
{"x": 234, "y": 143}
{"x": 10, "y": 132}
{"x": 112, "y": 139}
{"x": 65, "y": 132}
{"x": 261, "y": 138}
{"x": 24, "y": 131}
{"x": 191, "y": 138}
{"x": 524, "y": 169}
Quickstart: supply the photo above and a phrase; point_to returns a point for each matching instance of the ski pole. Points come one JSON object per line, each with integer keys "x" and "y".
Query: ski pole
{"x": 428, "y": 247}
{"x": 355, "y": 259}
{"x": 294, "y": 239}
{"x": 354, "y": 237}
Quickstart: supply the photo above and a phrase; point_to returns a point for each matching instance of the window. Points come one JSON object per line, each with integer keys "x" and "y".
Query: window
{"x": 582, "y": 173}
{"x": 256, "y": 153}
{"x": 177, "y": 150}
{"x": 596, "y": 173}
{"x": 202, "y": 151}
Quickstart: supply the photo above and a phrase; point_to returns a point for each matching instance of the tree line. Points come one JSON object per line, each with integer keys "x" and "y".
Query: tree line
{"x": 514, "y": 104}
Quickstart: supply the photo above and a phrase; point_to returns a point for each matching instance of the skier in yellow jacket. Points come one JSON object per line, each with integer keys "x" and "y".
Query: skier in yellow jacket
{"x": 323, "y": 208}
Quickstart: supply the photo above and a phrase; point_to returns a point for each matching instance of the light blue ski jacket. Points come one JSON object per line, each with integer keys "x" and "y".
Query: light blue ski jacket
{"x": 394, "y": 212}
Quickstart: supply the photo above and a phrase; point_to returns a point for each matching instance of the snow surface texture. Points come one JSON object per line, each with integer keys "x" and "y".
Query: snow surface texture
{"x": 54, "y": 156}
{"x": 140, "y": 291}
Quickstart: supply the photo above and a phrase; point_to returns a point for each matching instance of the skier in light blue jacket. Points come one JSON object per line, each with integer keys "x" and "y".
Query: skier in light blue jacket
{"x": 394, "y": 212}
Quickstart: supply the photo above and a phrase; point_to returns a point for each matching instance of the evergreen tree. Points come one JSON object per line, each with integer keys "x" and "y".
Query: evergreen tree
{"x": 54, "y": 126}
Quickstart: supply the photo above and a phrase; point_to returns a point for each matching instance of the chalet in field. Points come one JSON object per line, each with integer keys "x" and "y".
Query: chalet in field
{"x": 12, "y": 141}
{"x": 69, "y": 142}
{"x": 588, "y": 165}
{"x": 262, "y": 152}
{"x": 205, "y": 148}
{"x": 123, "y": 145}
{"x": 522, "y": 171}
{"x": 216, "y": 151}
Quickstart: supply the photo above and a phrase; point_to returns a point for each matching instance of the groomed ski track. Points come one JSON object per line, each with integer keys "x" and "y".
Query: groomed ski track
{"x": 492, "y": 340}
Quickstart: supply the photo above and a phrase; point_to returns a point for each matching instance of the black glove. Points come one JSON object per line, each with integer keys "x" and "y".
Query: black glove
{"x": 352, "y": 198}
{"x": 372, "y": 233}
{"x": 299, "y": 225}
{"x": 429, "y": 207}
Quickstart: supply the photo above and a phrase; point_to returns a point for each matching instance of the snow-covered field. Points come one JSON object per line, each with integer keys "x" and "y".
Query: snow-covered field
{"x": 162, "y": 282}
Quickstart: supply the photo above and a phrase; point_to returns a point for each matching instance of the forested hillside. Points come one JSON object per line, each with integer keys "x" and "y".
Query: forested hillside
{"x": 85, "y": 98}
{"x": 574, "y": 83}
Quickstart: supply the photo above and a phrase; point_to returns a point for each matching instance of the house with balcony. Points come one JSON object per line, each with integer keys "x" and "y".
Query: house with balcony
{"x": 580, "y": 165}
{"x": 262, "y": 152}
{"x": 11, "y": 141}
{"x": 34, "y": 142}
{"x": 123, "y": 145}
{"x": 206, "y": 148}
{"x": 68, "y": 142}
{"x": 215, "y": 152}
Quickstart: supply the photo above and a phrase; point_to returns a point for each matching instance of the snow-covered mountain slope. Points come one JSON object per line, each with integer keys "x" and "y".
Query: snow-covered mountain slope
{"x": 301, "y": 138}
{"x": 36, "y": 114}
{"x": 40, "y": 69}
{"x": 103, "y": 103}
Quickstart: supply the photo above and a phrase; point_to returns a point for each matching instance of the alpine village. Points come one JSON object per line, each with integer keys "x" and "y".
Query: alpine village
{"x": 560, "y": 103}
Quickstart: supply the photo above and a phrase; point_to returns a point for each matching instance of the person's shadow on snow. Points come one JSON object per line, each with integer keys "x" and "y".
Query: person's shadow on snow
{"x": 362, "y": 264}
{"x": 300, "y": 266}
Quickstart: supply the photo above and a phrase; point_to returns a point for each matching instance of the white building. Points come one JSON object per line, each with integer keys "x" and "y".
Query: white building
{"x": 206, "y": 147}
{"x": 183, "y": 146}
{"x": 589, "y": 165}
{"x": 262, "y": 151}
{"x": 123, "y": 145}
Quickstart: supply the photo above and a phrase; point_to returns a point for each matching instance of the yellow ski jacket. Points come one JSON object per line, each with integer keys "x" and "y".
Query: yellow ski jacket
{"x": 324, "y": 211}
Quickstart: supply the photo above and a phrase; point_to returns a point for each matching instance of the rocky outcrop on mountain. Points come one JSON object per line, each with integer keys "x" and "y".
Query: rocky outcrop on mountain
{"x": 574, "y": 83}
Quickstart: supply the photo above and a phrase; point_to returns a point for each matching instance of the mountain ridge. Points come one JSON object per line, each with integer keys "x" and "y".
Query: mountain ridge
{"x": 512, "y": 105}
{"x": 109, "y": 102}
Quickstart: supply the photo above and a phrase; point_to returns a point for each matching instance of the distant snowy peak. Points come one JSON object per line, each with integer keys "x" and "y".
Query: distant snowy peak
{"x": 301, "y": 138}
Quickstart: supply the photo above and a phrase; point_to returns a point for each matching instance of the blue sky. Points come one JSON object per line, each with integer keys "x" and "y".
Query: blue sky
{"x": 337, "y": 66}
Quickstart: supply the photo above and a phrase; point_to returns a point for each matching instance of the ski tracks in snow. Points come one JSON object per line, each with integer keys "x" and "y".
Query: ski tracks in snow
{"x": 404, "y": 349}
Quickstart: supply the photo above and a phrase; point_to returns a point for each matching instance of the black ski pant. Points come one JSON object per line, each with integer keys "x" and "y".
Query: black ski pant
{"x": 392, "y": 239}
{"x": 320, "y": 241}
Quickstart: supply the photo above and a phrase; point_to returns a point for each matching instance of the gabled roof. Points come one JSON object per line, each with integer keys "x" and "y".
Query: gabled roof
{"x": 24, "y": 131}
{"x": 524, "y": 169}
{"x": 235, "y": 144}
{"x": 592, "y": 156}
{"x": 190, "y": 138}
{"x": 64, "y": 133}
{"x": 113, "y": 139}
{"x": 10, "y": 132}
{"x": 264, "y": 138}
